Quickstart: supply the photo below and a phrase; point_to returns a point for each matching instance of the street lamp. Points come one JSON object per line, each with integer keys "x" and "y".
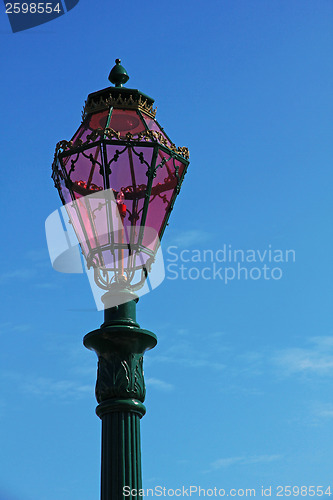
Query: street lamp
{"x": 118, "y": 178}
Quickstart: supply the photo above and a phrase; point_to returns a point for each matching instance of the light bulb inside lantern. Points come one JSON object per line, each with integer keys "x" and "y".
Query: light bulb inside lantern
{"x": 121, "y": 205}
{"x": 120, "y": 198}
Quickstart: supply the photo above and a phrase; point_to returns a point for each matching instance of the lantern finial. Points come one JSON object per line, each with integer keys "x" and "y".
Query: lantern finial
{"x": 118, "y": 75}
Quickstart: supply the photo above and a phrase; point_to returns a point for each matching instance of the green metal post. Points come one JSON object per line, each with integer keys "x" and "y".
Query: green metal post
{"x": 120, "y": 391}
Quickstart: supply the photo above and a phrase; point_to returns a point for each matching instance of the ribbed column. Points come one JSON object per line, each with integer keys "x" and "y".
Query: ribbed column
{"x": 121, "y": 452}
{"x": 120, "y": 391}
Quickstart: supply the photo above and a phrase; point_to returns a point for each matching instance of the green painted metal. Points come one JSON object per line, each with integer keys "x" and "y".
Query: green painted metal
{"x": 118, "y": 75}
{"x": 120, "y": 344}
{"x": 108, "y": 120}
{"x": 104, "y": 95}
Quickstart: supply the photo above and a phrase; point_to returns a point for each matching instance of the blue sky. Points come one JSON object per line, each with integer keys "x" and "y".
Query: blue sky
{"x": 239, "y": 387}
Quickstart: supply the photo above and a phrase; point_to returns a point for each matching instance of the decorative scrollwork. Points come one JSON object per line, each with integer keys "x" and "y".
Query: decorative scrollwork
{"x": 93, "y": 105}
{"x": 103, "y": 277}
{"x": 111, "y": 279}
{"x": 120, "y": 377}
{"x": 109, "y": 133}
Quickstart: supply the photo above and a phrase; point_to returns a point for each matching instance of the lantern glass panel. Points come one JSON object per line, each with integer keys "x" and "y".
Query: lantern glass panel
{"x": 125, "y": 121}
{"x": 84, "y": 169}
{"x": 98, "y": 120}
{"x": 162, "y": 194}
{"x": 97, "y": 207}
{"x": 74, "y": 217}
{"x": 128, "y": 175}
{"x": 90, "y": 123}
{"x": 153, "y": 125}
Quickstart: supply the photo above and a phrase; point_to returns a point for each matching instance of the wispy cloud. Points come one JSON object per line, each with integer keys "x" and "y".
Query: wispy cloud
{"x": 241, "y": 390}
{"x": 24, "y": 273}
{"x": 183, "y": 331}
{"x": 244, "y": 460}
{"x": 159, "y": 384}
{"x": 40, "y": 258}
{"x": 31, "y": 263}
{"x": 218, "y": 334}
{"x": 326, "y": 413}
{"x": 190, "y": 237}
{"x": 322, "y": 411}
{"x": 44, "y": 387}
{"x": 24, "y": 327}
{"x": 315, "y": 359}
{"x": 63, "y": 389}
{"x": 37, "y": 255}
{"x": 323, "y": 342}
{"x": 183, "y": 352}
{"x": 188, "y": 361}
{"x": 45, "y": 286}
{"x": 9, "y": 327}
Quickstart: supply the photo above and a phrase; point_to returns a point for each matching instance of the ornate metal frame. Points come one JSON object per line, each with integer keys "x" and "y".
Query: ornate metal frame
{"x": 107, "y": 278}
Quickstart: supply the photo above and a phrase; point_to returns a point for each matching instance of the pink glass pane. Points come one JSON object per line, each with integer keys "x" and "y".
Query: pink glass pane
{"x": 153, "y": 125}
{"x": 93, "y": 216}
{"x": 115, "y": 249}
{"x": 98, "y": 120}
{"x": 73, "y": 216}
{"x": 84, "y": 170}
{"x": 91, "y": 122}
{"x": 128, "y": 175}
{"x": 65, "y": 192}
{"x": 98, "y": 207}
{"x": 121, "y": 261}
{"x": 125, "y": 121}
{"x": 97, "y": 217}
{"x": 86, "y": 221}
{"x": 162, "y": 194}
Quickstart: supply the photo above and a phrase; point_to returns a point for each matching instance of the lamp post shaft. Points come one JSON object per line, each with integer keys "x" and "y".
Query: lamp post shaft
{"x": 121, "y": 455}
{"x": 120, "y": 391}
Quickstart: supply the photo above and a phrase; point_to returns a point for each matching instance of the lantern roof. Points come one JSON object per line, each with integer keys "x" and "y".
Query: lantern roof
{"x": 119, "y": 97}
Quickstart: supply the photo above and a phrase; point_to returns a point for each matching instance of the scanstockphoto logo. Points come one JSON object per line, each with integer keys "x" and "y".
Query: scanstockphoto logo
{"x": 228, "y": 264}
{"x": 25, "y": 15}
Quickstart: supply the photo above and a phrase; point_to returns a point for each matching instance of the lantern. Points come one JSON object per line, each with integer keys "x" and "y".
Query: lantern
{"x": 119, "y": 177}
